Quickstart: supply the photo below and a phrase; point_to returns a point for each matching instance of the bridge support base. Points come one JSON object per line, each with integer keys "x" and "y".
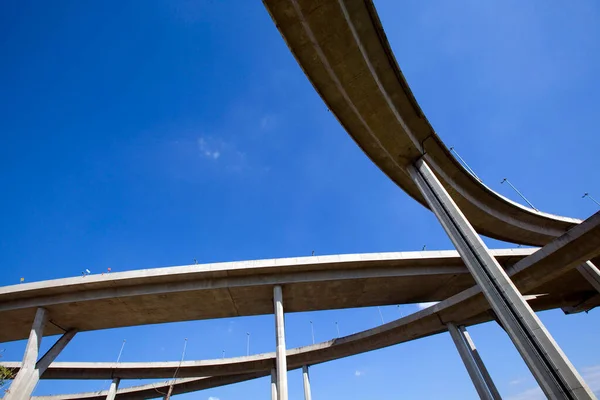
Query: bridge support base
{"x": 553, "y": 371}
{"x": 31, "y": 369}
{"x": 280, "y": 353}
{"x": 477, "y": 371}
{"x": 306, "y": 380}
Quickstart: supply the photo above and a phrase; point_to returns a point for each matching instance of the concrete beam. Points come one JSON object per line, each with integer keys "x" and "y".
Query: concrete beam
{"x": 306, "y": 381}
{"x": 280, "y": 355}
{"x": 157, "y": 389}
{"x": 466, "y": 349}
{"x": 553, "y": 371}
{"x": 591, "y": 273}
{"x": 112, "y": 391}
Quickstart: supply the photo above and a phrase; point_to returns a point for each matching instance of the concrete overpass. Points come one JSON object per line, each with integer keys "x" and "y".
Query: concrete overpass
{"x": 233, "y": 289}
{"x": 549, "y": 276}
{"x": 343, "y": 50}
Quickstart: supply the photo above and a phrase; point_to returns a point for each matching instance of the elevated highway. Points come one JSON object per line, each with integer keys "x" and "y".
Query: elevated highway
{"x": 233, "y": 289}
{"x": 343, "y": 50}
{"x": 341, "y": 47}
{"x": 548, "y": 276}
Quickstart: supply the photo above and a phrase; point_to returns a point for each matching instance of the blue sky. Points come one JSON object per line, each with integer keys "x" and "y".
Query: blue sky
{"x": 139, "y": 135}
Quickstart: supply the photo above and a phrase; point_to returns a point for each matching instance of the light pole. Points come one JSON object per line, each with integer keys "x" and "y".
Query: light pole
{"x": 247, "y": 343}
{"x": 337, "y": 328}
{"x": 312, "y": 332}
{"x": 519, "y": 193}
{"x": 590, "y": 197}
{"x": 465, "y": 164}
{"x": 121, "y": 351}
{"x": 381, "y": 315}
{"x": 400, "y": 311}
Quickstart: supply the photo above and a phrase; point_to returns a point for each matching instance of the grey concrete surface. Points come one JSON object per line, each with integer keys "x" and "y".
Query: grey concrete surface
{"x": 21, "y": 389}
{"x": 237, "y": 289}
{"x": 342, "y": 48}
{"x": 466, "y": 350}
{"x": 27, "y": 384}
{"x": 553, "y": 371}
{"x": 591, "y": 273}
{"x": 280, "y": 352}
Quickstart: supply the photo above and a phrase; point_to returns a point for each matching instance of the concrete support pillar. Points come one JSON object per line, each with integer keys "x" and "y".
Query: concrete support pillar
{"x": 31, "y": 369}
{"x": 280, "y": 356}
{"x": 591, "y": 273}
{"x": 484, "y": 372}
{"x": 306, "y": 380}
{"x": 17, "y": 389}
{"x": 112, "y": 391}
{"x": 473, "y": 363}
{"x": 273, "y": 384}
{"x": 553, "y": 371}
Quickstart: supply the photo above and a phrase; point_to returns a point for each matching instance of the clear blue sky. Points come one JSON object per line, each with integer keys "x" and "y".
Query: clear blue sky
{"x": 145, "y": 134}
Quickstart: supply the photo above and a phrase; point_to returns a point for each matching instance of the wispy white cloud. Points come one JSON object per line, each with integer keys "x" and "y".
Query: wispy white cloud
{"x": 213, "y": 398}
{"x": 211, "y": 151}
{"x": 422, "y": 306}
{"x": 529, "y": 394}
{"x": 359, "y": 373}
{"x": 591, "y": 375}
{"x": 268, "y": 122}
{"x": 516, "y": 382}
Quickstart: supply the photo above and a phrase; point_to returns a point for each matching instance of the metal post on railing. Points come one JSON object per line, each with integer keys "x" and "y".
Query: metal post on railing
{"x": 519, "y": 193}
{"x": 586, "y": 194}
{"x": 465, "y": 164}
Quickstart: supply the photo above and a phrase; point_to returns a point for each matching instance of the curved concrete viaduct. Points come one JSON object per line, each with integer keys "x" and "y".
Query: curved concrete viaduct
{"x": 548, "y": 275}
{"x": 343, "y": 50}
{"x": 232, "y": 289}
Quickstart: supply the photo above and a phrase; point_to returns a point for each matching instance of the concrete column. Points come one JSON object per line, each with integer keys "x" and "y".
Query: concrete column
{"x": 17, "y": 389}
{"x": 481, "y": 380}
{"x": 591, "y": 273}
{"x": 112, "y": 391}
{"x": 553, "y": 371}
{"x": 484, "y": 372}
{"x": 31, "y": 370}
{"x": 273, "y": 384}
{"x": 305, "y": 378}
{"x": 280, "y": 356}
